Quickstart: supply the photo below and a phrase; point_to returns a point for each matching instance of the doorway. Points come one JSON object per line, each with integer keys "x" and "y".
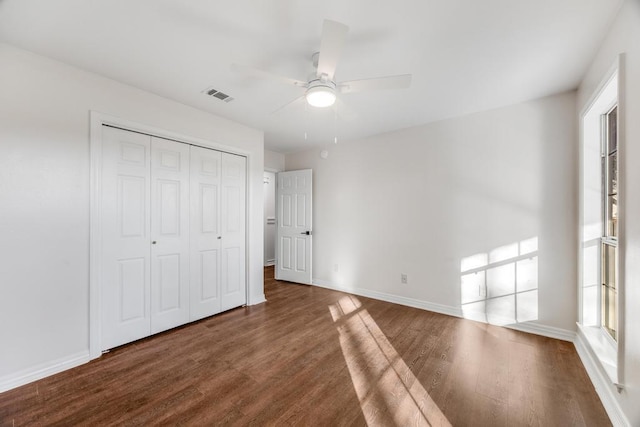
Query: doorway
{"x": 269, "y": 218}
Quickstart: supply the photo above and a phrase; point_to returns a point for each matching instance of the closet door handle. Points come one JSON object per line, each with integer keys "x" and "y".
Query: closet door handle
{"x": 153, "y": 242}
{"x": 219, "y": 237}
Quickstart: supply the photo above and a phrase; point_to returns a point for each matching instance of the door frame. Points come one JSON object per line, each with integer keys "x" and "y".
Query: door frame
{"x": 275, "y": 172}
{"x": 97, "y": 120}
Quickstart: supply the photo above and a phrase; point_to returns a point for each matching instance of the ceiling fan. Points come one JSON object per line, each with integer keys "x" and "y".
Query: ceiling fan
{"x": 321, "y": 89}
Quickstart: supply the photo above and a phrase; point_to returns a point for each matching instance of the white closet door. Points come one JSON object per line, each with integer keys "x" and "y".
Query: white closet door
{"x": 170, "y": 234}
{"x": 125, "y": 262}
{"x": 205, "y": 232}
{"x": 233, "y": 220}
{"x": 173, "y": 234}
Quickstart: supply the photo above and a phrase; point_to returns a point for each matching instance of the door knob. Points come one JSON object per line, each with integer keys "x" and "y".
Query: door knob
{"x": 219, "y": 237}
{"x": 154, "y": 242}
{"x": 307, "y": 233}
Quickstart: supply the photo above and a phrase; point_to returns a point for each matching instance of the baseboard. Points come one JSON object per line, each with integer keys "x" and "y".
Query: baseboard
{"x": 43, "y": 370}
{"x": 261, "y": 298}
{"x": 531, "y": 328}
{"x": 601, "y": 382}
{"x": 545, "y": 331}
{"x": 396, "y": 299}
{"x": 270, "y": 262}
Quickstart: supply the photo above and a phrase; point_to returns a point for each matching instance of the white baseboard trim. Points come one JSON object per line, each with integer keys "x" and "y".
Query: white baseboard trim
{"x": 409, "y": 302}
{"x": 43, "y": 370}
{"x": 601, "y": 382}
{"x": 259, "y": 300}
{"x": 544, "y": 330}
{"x": 531, "y": 328}
{"x": 270, "y": 262}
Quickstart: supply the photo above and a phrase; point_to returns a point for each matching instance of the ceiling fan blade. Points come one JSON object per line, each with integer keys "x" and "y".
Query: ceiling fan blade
{"x": 381, "y": 83}
{"x": 343, "y": 111}
{"x": 256, "y": 72}
{"x": 333, "y": 36}
{"x": 288, "y": 104}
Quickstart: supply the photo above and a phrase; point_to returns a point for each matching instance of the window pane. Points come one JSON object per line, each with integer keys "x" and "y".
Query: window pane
{"x": 612, "y": 186}
{"x": 612, "y": 220}
{"x": 612, "y": 127}
{"x": 609, "y": 289}
{"x": 609, "y": 266}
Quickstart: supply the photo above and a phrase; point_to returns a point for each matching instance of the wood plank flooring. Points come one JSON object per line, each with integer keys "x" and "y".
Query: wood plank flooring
{"x": 311, "y": 356}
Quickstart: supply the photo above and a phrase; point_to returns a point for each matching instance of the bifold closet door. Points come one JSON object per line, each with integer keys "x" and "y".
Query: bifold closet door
{"x": 206, "y": 236}
{"x": 173, "y": 220}
{"x": 125, "y": 267}
{"x": 233, "y": 223}
{"x": 218, "y": 205}
{"x": 170, "y": 183}
{"x": 145, "y": 236}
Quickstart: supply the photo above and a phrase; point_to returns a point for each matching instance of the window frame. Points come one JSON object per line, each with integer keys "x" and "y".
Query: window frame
{"x": 602, "y": 349}
{"x": 609, "y": 237}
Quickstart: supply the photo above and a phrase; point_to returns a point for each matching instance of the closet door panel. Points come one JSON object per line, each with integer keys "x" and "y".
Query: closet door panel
{"x": 233, "y": 219}
{"x": 209, "y": 277}
{"x": 170, "y": 234}
{"x": 205, "y": 232}
{"x": 233, "y": 266}
{"x": 125, "y": 263}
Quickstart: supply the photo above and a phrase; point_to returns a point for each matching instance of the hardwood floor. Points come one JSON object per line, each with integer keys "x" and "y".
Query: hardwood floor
{"x": 311, "y": 356}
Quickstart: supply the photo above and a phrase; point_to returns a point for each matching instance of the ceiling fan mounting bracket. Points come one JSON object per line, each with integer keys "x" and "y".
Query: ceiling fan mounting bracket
{"x": 322, "y": 83}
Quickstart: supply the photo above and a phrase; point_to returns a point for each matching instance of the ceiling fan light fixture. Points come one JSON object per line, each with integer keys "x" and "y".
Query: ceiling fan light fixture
{"x": 321, "y": 96}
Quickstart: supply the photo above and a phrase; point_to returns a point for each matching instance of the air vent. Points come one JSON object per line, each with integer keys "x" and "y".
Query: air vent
{"x": 217, "y": 94}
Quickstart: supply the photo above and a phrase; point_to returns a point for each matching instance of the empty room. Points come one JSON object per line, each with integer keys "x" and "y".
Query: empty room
{"x": 279, "y": 212}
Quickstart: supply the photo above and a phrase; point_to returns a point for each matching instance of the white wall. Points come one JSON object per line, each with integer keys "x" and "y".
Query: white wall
{"x": 273, "y": 161}
{"x": 44, "y": 199}
{"x": 423, "y": 201}
{"x": 624, "y": 37}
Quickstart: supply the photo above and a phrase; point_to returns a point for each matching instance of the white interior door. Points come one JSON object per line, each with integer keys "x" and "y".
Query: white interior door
{"x": 233, "y": 225}
{"x": 126, "y": 235}
{"x": 205, "y": 232}
{"x": 293, "y": 195}
{"x": 170, "y": 234}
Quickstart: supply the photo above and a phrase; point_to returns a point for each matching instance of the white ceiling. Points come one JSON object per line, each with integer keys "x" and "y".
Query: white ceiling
{"x": 465, "y": 55}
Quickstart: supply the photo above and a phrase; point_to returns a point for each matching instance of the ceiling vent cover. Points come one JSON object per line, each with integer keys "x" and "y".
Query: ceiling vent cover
{"x": 217, "y": 94}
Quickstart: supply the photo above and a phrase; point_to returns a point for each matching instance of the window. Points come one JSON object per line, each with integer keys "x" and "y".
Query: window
{"x": 609, "y": 258}
{"x": 601, "y": 286}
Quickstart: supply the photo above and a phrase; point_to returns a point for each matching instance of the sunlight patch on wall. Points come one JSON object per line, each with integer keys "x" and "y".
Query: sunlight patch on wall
{"x": 388, "y": 392}
{"x": 590, "y": 282}
{"x": 501, "y": 286}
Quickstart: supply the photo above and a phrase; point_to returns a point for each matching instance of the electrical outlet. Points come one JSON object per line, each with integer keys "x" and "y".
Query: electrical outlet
{"x": 403, "y": 279}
